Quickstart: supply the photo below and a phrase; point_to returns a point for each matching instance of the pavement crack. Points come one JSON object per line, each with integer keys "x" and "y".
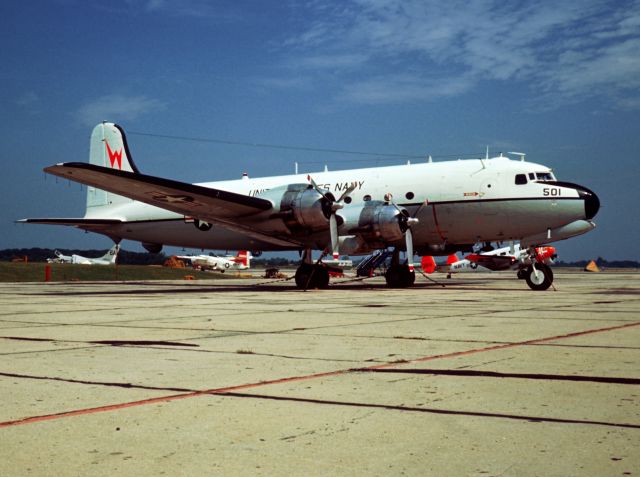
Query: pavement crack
{"x": 106, "y": 342}
{"x": 96, "y": 383}
{"x": 142, "y": 343}
{"x": 533, "y": 419}
{"x": 492, "y": 374}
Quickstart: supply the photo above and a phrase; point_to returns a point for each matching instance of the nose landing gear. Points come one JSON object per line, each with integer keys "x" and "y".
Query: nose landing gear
{"x": 539, "y": 276}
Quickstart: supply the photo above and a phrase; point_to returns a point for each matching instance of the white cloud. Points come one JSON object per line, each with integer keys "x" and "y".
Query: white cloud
{"x": 117, "y": 107}
{"x": 564, "y": 51}
{"x": 330, "y": 61}
{"x": 288, "y": 82}
{"x": 401, "y": 89}
{"x": 202, "y": 9}
{"x": 191, "y": 8}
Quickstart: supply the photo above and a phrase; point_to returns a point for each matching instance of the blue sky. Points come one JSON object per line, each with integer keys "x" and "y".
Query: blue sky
{"x": 557, "y": 80}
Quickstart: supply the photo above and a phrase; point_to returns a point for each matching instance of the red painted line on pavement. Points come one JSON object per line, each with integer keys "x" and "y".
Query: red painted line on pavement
{"x": 504, "y": 346}
{"x": 175, "y": 397}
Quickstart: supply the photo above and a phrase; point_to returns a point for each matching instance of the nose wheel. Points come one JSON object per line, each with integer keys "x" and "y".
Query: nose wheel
{"x": 539, "y": 277}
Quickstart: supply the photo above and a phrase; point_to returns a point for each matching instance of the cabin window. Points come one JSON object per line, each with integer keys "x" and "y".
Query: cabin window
{"x": 347, "y": 200}
{"x": 521, "y": 179}
{"x": 409, "y": 195}
{"x": 544, "y": 176}
{"x": 366, "y": 198}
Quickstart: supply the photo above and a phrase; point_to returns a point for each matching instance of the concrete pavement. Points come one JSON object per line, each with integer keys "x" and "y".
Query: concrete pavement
{"x": 481, "y": 377}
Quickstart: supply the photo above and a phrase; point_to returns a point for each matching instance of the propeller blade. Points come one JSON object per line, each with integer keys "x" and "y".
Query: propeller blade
{"x": 317, "y": 188}
{"x": 313, "y": 183}
{"x": 333, "y": 230}
{"x": 348, "y": 191}
{"x": 408, "y": 236}
{"x": 425, "y": 202}
{"x": 335, "y": 206}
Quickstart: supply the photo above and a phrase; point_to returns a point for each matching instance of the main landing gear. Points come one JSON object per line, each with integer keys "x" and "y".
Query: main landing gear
{"x": 399, "y": 275}
{"x": 311, "y": 275}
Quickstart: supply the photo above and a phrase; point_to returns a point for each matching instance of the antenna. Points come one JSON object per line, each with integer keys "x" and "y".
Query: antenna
{"x": 521, "y": 154}
{"x": 430, "y": 159}
{"x": 487, "y": 156}
{"x": 295, "y": 165}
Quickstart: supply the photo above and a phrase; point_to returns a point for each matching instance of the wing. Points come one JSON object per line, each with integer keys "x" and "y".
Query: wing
{"x": 492, "y": 262}
{"x": 180, "y": 197}
{"x": 205, "y": 203}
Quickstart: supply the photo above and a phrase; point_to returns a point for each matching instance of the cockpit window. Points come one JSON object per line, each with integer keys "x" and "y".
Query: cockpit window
{"x": 521, "y": 179}
{"x": 544, "y": 176}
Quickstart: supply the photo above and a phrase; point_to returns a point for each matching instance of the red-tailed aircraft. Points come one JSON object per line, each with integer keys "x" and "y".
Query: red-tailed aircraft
{"x": 240, "y": 261}
{"x": 505, "y": 258}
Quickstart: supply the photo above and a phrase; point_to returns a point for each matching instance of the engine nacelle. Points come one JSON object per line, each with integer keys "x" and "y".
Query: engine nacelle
{"x": 376, "y": 221}
{"x": 300, "y": 207}
{"x": 152, "y": 247}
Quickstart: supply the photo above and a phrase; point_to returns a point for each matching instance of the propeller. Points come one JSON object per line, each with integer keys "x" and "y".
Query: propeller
{"x": 333, "y": 206}
{"x": 406, "y": 221}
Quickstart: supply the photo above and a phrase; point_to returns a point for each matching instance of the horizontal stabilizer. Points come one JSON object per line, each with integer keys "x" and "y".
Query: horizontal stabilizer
{"x": 82, "y": 223}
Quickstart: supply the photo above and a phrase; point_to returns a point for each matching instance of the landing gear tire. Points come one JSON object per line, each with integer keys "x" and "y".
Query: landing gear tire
{"x": 539, "y": 278}
{"x": 400, "y": 276}
{"x": 312, "y": 276}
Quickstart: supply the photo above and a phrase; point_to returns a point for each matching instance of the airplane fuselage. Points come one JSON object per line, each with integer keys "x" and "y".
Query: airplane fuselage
{"x": 456, "y": 203}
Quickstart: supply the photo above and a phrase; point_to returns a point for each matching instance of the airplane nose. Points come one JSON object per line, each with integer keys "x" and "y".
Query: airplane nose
{"x": 591, "y": 200}
{"x": 591, "y": 203}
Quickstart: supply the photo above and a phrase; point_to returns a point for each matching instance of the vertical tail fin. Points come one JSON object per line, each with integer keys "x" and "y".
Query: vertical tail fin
{"x": 244, "y": 258}
{"x": 112, "y": 254}
{"x": 108, "y": 149}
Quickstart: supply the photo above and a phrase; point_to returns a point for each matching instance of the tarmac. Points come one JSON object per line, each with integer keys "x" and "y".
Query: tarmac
{"x": 479, "y": 377}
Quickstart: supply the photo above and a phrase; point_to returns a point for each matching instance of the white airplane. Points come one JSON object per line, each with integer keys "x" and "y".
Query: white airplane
{"x": 340, "y": 263}
{"x": 107, "y": 259}
{"x": 433, "y": 208}
{"x": 241, "y": 261}
{"x": 504, "y": 258}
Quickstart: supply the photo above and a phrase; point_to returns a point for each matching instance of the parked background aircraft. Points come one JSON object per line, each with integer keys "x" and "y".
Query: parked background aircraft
{"x": 108, "y": 258}
{"x": 240, "y": 261}
{"x": 504, "y": 258}
{"x": 433, "y": 208}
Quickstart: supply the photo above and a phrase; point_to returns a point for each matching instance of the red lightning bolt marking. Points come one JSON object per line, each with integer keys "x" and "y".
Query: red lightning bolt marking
{"x": 114, "y": 156}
